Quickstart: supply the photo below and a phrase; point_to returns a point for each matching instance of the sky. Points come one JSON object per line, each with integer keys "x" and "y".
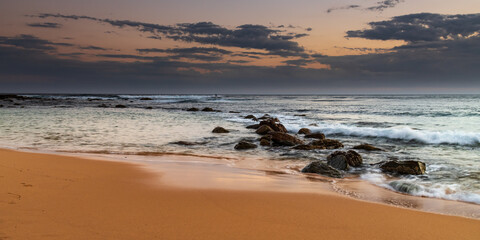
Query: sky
{"x": 245, "y": 47}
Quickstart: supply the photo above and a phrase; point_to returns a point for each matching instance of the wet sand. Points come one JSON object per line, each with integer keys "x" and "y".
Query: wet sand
{"x": 46, "y": 196}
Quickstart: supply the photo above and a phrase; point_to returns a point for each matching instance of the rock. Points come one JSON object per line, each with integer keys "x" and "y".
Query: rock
{"x": 313, "y": 124}
{"x": 367, "y": 147}
{"x": 307, "y": 147}
{"x": 208, "y": 109}
{"x": 273, "y": 124}
{"x": 264, "y": 129}
{"x": 404, "y": 167}
{"x": 120, "y": 106}
{"x": 315, "y": 135}
{"x": 284, "y": 139}
{"x": 220, "y": 130}
{"x": 234, "y": 112}
{"x": 304, "y": 131}
{"x": 328, "y": 143}
{"x": 103, "y": 105}
{"x": 186, "y": 143}
{"x": 405, "y": 187}
{"x": 300, "y": 115}
{"x": 149, "y": 108}
{"x": 243, "y": 145}
{"x": 193, "y": 109}
{"x": 266, "y": 137}
{"x": 322, "y": 168}
{"x": 251, "y": 117}
{"x": 265, "y": 142}
{"x": 266, "y": 116}
{"x": 146, "y": 99}
{"x": 342, "y": 160}
{"x": 254, "y": 126}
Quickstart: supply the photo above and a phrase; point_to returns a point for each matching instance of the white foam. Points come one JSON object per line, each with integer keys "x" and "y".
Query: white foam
{"x": 401, "y": 133}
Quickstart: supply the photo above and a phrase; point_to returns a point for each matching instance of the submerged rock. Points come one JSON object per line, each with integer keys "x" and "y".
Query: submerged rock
{"x": 322, "y": 168}
{"x": 253, "y": 126}
{"x": 208, "y": 109}
{"x": 120, "y": 106}
{"x": 343, "y": 160}
{"x": 146, "y": 99}
{"x": 266, "y": 116}
{"x": 367, "y": 147}
{"x": 264, "y": 129}
{"x": 404, "y": 167}
{"x": 284, "y": 139}
{"x": 193, "y": 109}
{"x": 186, "y": 143}
{"x": 244, "y": 145}
{"x": 220, "y": 130}
{"x": 304, "y": 131}
{"x": 328, "y": 143}
{"x": 265, "y": 142}
{"x": 315, "y": 135}
{"x": 405, "y": 187}
{"x": 251, "y": 117}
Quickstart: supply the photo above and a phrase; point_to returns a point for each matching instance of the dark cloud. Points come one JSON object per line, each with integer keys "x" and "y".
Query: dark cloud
{"x": 247, "y": 36}
{"x": 30, "y": 42}
{"x": 45, "y": 25}
{"x": 382, "y": 5}
{"x": 421, "y": 27}
{"x": 298, "y": 62}
{"x": 93, "y": 48}
{"x": 342, "y": 8}
{"x": 197, "y": 53}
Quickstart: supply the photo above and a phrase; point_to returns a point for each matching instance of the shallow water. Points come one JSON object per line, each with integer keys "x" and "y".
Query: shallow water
{"x": 442, "y": 131}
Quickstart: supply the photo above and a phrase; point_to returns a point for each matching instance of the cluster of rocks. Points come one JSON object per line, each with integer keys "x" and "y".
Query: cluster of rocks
{"x": 206, "y": 109}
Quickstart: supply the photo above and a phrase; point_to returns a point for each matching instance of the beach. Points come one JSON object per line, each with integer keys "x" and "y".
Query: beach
{"x": 48, "y": 196}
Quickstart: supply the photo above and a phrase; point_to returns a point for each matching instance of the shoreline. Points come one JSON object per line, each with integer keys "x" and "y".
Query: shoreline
{"x": 63, "y": 197}
{"x": 204, "y": 172}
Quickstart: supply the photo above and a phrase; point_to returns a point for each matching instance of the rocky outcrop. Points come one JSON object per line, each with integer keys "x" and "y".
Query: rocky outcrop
{"x": 244, "y": 145}
{"x": 328, "y": 143}
{"x": 315, "y": 135}
{"x": 404, "y": 167}
{"x": 220, "y": 130}
{"x": 264, "y": 129}
{"x": 208, "y": 109}
{"x": 322, "y": 168}
{"x": 193, "y": 109}
{"x": 274, "y": 124}
{"x": 367, "y": 147}
{"x": 304, "y": 131}
{"x": 343, "y": 160}
{"x": 284, "y": 139}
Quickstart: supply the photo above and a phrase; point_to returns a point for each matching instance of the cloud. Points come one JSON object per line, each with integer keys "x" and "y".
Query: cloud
{"x": 90, "y": 47}
{"x": 248, "y": 36}
{"x": 196, "y": 53}
{"x": 382, "y": 5}
{"x": 30, "y": 42}
{"x": 342, "y": 8}
{"x": 421, "y": 27}
{"x": 45, "y": 25}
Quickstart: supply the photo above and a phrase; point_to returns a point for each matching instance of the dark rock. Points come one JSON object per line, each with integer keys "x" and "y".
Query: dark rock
{"x": 266, "y": 116}
{"x": 304, "y": 131}
{"x": 367, "y": 147}
{"x": 405, "y": 187}
{"x": 300, "y": 115}
{"x": 220, "y": 130}
{"x": 273, "y": 124}
{"x": 120, "y": 106}
{"x": 342, "y": 160}
{"x": 284, "y": 139}
{"x": 186, "y": 143}
{"x": 328, "y": 143}
{"x": 243, "y": 145}
{"x": 103, "y": 105}
{"x": 1, "y": 106}
{"x": 254, "y": 126}
{"x": 251, "y": 117}
{"x": 266, "y": 137}
{"x": 233, "y": 112}
{"x": 264, "y": 129}
{"x": 315, "y": 135}
{"x": 146, "y": 99}
{"x": 322, "y": 168}
{"x": 208, "y": 109}
{"x": 404, "y": 167}
{"x": 193, "y": 109}
{"x": 148, "y": 108}
{"x": 313, "y": 124}
{"x": 265, "y": 142}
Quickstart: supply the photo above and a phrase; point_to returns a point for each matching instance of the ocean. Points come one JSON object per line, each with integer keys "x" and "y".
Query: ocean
{"x": 441, "y": 130}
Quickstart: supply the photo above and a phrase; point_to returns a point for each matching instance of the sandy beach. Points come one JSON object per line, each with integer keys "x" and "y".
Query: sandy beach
{"x": 57, "y": 197}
